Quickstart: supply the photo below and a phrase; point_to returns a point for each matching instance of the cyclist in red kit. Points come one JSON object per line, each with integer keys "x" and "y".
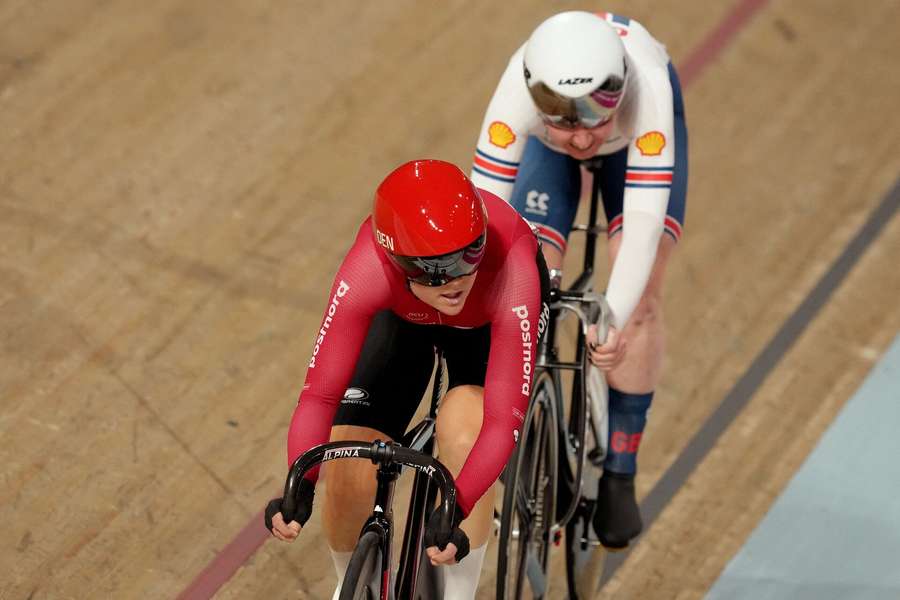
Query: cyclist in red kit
{"x": 438, "y": 264}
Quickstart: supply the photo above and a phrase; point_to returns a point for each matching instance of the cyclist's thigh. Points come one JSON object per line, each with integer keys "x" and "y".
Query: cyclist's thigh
{"x": 351, "y": 481}
{"x": 342, "y": 433}
{"x": 546, "y": 192}
{"x": 611, "y": 177}
{"x": 466, "y": 353}
{"x": 459, "y": 420}
{"x": 391, "y": 377}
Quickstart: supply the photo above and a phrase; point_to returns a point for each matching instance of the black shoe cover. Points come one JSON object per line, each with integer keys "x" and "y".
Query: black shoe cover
{"x": 617, "y": 519}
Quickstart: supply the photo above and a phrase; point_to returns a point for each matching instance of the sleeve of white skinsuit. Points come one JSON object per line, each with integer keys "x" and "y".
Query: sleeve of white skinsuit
{"x": 648, "y": 181}
{"x": 509, "y": 118}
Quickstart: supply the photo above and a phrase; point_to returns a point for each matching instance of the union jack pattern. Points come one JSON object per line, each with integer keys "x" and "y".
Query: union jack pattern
{"x": 495, "y": 168}
{"x": 648, "y": 177}
{"x": 670, "y": 226}
{"x": 551, "y": 236}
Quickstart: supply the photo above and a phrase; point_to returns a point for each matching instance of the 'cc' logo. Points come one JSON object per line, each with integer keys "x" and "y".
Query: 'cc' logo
{"x": 536, "y": 203}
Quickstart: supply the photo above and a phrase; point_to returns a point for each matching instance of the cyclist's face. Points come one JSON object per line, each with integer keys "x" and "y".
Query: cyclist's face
{"x": 580, "y": 143}
{"x": 449, "y": 298}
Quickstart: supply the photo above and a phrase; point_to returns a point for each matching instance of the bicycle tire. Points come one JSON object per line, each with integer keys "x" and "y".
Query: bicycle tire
{"x": 585, "y": 557}
{"x": 364, "y": 563}
{"x": 430, "y": 583}
{"x": 529, "y": 496}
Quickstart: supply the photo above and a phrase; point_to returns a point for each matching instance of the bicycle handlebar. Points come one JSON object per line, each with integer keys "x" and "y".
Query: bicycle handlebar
{"x": 604, "y": 316}
{"x": 380, "y": 453}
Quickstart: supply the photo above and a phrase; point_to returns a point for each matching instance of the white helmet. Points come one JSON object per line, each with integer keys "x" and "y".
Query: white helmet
{"x": 575, "y": 69}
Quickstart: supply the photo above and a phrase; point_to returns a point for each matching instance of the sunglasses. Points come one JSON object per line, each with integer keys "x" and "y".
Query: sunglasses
{"x": 435, "y": 271}
{"x": 567, "y": 122}
{"x": 591, "y": 110}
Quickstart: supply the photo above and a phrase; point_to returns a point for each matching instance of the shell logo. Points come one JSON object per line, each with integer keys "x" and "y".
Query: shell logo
{"x": 500, "y": 134}
{"x": 651, "y": 143}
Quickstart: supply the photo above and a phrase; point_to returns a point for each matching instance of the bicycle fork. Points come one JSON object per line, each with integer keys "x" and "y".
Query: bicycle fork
{"x": 382, "y": 521}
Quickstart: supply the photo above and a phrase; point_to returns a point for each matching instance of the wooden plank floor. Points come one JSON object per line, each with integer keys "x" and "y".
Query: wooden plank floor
{"x": 179, "y": 181}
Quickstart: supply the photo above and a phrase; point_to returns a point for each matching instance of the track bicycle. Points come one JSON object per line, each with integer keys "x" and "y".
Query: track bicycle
{"x": 369, "y": 573}
{"x": 551, "y": 479}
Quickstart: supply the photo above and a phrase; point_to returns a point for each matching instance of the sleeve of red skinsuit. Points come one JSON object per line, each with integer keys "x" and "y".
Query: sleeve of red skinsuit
{"x": 514, "y": 329}
{"x": 360, "y": 289}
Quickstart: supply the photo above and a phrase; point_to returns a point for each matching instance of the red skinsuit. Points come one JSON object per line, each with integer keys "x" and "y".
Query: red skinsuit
{"x": 368, "y": 282}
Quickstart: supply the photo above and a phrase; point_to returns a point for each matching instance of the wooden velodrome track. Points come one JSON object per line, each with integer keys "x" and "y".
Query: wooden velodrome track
{"x": 179, "y": 181}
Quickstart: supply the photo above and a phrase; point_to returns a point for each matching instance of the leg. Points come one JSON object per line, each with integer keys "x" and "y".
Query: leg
{"x": 394, "y": 367}
{"x": 632, "y": 383}
{"x": 349, "y": 490}
{"x": 546, "y": 192}
{"x": 458, "y": 424}
{"x": 644, "y": 334}
{"x": 642, "y": 366}
{"x": 617, "y": 519}
{"x": 349, "y": 493}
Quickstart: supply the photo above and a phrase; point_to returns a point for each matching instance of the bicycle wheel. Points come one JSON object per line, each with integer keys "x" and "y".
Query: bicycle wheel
{"x": 585, "y": 557}
{"x": 430, "y": 583}
{"x": 529, "y": 497}
{"x": 362, "y": 572}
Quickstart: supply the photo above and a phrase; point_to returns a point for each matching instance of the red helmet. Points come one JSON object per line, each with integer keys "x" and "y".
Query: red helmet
{"x": 430, "y": 221}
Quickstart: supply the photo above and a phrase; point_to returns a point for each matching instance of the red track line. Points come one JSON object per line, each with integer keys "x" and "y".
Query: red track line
{"x": 718, "y": 38}
{"x": 231, "y": 558}
{"x": 252, "y": 536}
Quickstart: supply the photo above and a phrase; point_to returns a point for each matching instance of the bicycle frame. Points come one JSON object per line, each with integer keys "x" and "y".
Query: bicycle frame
{"x": 416, "y": 445}
{"x": 421, "y": 438}
{"x": 576, "y": 299}
{"x": 523, "y": 512}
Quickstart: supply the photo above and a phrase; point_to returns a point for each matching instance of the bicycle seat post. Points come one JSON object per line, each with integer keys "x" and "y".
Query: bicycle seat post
{"x": 546, "y": 347}
{"x": 590, "y": 243}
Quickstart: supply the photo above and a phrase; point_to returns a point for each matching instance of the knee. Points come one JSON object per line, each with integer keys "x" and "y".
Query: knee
{"x": 459, "y": 421}
{"x": 349, "y": 484}
{"x": 648, "y": 312}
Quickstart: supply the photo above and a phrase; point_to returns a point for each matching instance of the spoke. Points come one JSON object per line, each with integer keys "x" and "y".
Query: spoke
{"x": 520, "y": 566}
{"x": 529, "y": 535}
